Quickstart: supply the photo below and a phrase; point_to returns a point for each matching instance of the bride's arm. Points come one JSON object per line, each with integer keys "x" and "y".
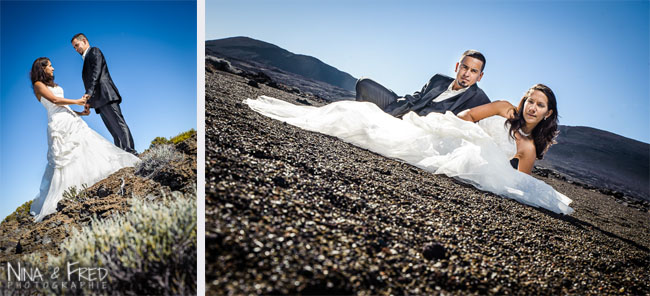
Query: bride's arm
{"x": 41, "y": 89}
{"x": 502, "y": 108}
{"x": 526, "y": 155}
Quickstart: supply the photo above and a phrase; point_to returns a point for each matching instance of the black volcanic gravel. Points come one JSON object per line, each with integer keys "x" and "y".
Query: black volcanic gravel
{"x": 295, "y": 212}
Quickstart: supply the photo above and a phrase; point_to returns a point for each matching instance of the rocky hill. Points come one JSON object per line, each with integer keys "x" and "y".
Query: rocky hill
{"x": 295, "y": 212}
{"x": 303, "y": 72}
{"x": 603, "y": 160}
{"x": 159, "y": 177}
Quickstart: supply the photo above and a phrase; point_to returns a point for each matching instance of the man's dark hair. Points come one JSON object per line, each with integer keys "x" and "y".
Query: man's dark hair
{"x": 79, "y": 36}
{"x": 475, "y": 54}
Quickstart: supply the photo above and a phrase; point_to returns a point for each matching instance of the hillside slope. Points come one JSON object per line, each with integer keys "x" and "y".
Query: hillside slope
{"x": 290, "y": 211}
{"x": 602, "y": 159}
{"x": 248, "y": 49}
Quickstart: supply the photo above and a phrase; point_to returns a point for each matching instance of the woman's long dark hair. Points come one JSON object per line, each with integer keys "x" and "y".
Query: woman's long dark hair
{"x": 546, "y": 130}
{"x": 38, "y": 72}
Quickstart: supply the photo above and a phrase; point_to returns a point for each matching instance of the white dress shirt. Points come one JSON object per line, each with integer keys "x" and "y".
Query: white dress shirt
{"x": 83, "y": 56}
{"x": 450, "y": 92}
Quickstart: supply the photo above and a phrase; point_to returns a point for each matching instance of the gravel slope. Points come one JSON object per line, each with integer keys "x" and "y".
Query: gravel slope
{"x": 295, "y": 212}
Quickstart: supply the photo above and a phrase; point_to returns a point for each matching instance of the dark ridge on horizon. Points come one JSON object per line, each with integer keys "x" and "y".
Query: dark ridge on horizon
{"x": 601, "y": 158}
{"x": 246, "y": 48}
{"x": 608, "y": 132}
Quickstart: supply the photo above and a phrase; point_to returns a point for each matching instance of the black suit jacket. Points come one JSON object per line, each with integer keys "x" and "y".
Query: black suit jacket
{"x": 422, "y": 102}
{"x": 97, "y": 80}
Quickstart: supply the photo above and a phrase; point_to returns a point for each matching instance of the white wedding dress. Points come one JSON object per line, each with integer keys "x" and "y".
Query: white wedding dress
{"x": 476, "y": 153}
{"x": 76, "y": 155}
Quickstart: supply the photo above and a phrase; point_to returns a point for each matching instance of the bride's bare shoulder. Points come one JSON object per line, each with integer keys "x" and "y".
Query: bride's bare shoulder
{"x": 39, "y": 86}
{"x": 41, "y": 91}
{"x": 38, "y": 89}
{"x": 525, "y": 153}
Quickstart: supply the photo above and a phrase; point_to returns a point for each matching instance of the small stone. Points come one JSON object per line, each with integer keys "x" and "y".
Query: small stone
{"x": 434, "y": 250}
{"x": 19, "y": 248}
{"x": 253, "y": 83}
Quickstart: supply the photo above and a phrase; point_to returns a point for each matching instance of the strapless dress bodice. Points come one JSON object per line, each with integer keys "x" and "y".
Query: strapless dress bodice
{"x": 53, "y": 109}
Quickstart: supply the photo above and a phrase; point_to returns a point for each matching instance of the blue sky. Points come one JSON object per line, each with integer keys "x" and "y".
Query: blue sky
{"x": 593, "y": 54}
{"x": 150, "y": 48}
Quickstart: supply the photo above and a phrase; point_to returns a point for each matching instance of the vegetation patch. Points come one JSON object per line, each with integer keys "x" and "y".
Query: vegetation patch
{"x": 20, "y": 213}
{"x": 156, "y": 159}
{"x": 76, "y": 194}
{"x": 151, "y": 249}
{"x": 174, "y": 140}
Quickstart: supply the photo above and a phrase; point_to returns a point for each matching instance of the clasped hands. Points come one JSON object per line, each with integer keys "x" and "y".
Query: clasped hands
{"x": 84, "y": 102}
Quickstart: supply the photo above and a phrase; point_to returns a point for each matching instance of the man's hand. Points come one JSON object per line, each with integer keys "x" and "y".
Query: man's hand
{"x": 86, "y": 109}
{"x": 83, "y": 100}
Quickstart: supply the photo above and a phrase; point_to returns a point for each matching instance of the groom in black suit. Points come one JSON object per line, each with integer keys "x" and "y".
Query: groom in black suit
{"x": 440, "y": 94}
{"x": 102, "y": 93}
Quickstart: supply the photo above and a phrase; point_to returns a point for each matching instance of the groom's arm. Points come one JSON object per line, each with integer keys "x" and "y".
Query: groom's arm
{"x": 95, "y": 60}
{"x": 416, "y": 96}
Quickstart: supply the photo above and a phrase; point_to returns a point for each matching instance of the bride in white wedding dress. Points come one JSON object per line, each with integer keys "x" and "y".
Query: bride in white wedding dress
{"x": 76, "y": 154}
{"x": 493, "y": 146}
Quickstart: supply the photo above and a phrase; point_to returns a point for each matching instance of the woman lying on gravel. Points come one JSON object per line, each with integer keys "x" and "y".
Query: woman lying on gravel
{"x": 480, "y": 146}
{"x": 533, "y": 124}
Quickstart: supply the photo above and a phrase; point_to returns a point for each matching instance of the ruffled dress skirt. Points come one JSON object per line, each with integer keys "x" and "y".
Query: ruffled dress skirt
{"x": 475, "y": 153}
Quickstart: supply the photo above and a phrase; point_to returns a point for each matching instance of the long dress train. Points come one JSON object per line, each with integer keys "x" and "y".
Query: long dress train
{"x": 476, "y": 153}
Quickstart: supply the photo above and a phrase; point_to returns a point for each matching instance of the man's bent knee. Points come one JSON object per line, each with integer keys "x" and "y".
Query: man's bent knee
{"x": 362, "y": 86}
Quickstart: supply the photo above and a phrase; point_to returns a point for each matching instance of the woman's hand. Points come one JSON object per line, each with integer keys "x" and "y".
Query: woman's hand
{"x": 83, "y": 100}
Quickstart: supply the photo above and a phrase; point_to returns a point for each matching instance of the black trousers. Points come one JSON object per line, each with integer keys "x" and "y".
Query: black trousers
{"x": 369, "y": 90}
{"x": 112, "y": 116}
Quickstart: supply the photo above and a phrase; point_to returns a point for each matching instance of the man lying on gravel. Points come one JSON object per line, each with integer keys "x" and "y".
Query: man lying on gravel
{"x": 440, "y": 94}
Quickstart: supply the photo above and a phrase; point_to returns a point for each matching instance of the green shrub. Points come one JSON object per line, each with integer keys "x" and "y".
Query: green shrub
{"x": 20, "y": 213}
{"x": 182, "y": 136}
{"x": 75, "y": 194}
{"x": 159, "y": 141}
{"x": 174, "y": 140}
{"x": 151, "y": 249}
